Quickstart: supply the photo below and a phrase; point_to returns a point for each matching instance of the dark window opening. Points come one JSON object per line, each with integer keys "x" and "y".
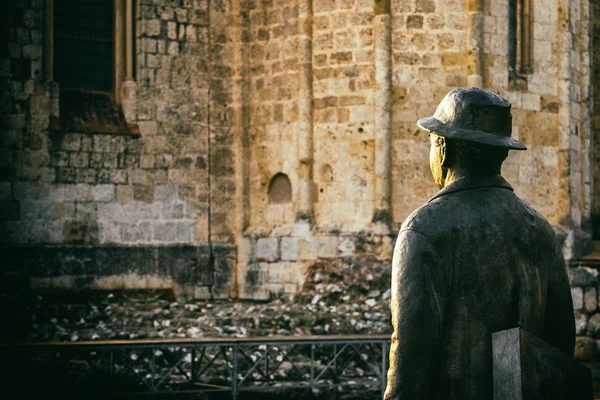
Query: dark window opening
{"x": 84, "y": 68}
{"x": 519, "y": 42}
{"x": 83, "y": 45}
{"x": 512, "y": 34}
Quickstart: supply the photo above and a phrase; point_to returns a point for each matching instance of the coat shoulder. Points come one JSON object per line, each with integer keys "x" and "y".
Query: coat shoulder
{"x": 424, "y": 217}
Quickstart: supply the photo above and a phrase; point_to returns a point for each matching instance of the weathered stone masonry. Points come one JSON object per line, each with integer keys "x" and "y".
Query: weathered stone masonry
{"x": 273, "y": 133}
{"x": 69, "y": 197}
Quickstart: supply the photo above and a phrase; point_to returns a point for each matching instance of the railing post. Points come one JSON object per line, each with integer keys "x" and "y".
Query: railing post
{"x": 234, "y": 386}
{"x": 383, "y": 368}
{"x": 193, "y": 366}
{"x": 312, "y": 366}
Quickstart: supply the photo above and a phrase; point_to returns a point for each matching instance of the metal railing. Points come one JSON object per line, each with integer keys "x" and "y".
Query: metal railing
{"x": 191, "y": 366}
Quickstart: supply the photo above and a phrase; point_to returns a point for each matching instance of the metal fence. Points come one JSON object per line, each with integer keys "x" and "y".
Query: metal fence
{"x": 192, "y": 366}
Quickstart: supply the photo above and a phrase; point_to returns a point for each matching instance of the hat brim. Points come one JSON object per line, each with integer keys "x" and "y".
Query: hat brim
{"x": 434, "y": 125}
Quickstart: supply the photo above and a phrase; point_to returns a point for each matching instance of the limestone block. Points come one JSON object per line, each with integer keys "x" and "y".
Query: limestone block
{"x": 580, "y": 323}
{"x": 64, "y": 210}
{"x": 172, "y": 30}
{"x": 281, "y": 230}
{"x": 252, "y": 280}
{"x": 290, "y": 288}
{"x": 585, "y": 348}
{"x": 327, "y": 246}
{"x": 78, "y": 160}
{"x": 165, "y": 192}
{"x": 530, "y": 101}
{"x": 152, "y": 27}
{"x": 59, "y": 159}
{"x": 78, "y": 192}
{"x": 591, "y": 299}
{"x": 134, "y": 281}
{"x": 289, "y": 248}
{"x": 103, "y": 192}
{"x": 202, "y": 292}
{"x": 577, "y": 296}
{"x": 308, "y": 248}
{"x": 301, "y": 229}
{"x": 32, "y": 210}
{"x": 175, "y": 210}
{"x": 245, "y": 251}
{"x": 593, "y": 326}
{"x": 527, "y": 173}
{"x": 85, "y": 211}
{"x": 46, "y": 232}
{"x": 109, "y": 232}
{"x": 276, "y": 272}
{"x": 267, "y": 249}
{"x": 140, "y": 232}
{"x": 346, "y": 246}
{"x": 124, "y": 193}
{"x": 173, "y": 232}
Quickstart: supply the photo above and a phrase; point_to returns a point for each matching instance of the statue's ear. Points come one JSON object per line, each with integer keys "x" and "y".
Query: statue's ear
{"x": 441, "y": 143}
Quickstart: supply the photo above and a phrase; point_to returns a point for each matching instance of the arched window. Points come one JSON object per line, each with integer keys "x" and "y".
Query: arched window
{"x": 280, "y": 189}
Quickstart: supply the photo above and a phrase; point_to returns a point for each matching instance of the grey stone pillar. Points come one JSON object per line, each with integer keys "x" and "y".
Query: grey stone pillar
{"x": 129, "y": 87}
{"x": 383, "y": 113}
{"x": 305, "y": 207}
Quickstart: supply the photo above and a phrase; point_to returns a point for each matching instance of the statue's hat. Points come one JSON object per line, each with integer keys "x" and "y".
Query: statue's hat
{"x": 473, "y": 114}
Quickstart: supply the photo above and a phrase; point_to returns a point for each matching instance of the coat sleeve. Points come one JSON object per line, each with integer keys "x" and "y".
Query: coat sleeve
{"x": 559, "y": 325}
{"x": 417, "y": 305}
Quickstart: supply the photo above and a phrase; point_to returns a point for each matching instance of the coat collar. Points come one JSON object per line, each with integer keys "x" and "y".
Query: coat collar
{"x": 469, "y": 183}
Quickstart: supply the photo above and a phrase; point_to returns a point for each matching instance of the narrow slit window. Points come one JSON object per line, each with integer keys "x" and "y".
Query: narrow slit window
{"x": 519, "y": 36}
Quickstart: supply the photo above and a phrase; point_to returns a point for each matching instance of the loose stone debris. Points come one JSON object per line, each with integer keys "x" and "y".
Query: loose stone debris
{"x": 337, "y": 298}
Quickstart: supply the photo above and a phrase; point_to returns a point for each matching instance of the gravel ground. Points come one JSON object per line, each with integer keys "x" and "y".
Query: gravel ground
{"x": 337, "y": 298}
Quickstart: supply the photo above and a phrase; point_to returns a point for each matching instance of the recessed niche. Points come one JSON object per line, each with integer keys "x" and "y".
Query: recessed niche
{"x": 280, "y": 189}
{"x": 326, "y": 173}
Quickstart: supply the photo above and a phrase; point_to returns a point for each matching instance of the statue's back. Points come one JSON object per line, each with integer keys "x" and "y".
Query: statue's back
{"x": 498, "y": 267}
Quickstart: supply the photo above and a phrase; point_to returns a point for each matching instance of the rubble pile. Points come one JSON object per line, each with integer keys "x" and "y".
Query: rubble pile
{"x": 337, "y": 298}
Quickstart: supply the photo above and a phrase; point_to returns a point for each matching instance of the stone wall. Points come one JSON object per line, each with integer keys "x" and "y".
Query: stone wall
{"x": 157, "y": 191}
{"x": 595, "y": 109}
{"x": 318, "y": 99}
{"x": 585, "y": 292}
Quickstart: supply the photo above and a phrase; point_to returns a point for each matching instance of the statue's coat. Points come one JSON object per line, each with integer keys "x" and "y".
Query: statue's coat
{"x": 475, "y": 259}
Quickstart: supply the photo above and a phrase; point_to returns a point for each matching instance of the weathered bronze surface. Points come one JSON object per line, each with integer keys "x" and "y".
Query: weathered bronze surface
{"x": 475, "y": 259}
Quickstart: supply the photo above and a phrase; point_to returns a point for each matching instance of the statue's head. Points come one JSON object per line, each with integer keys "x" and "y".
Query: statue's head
{"x": 470, "y": 131}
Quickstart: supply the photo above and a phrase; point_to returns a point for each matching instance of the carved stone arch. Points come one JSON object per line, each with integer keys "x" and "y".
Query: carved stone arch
{"x": 280, "y": 189}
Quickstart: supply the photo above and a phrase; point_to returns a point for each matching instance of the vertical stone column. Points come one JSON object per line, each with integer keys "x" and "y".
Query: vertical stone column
{"x": 475, "y": 64}
{"x": 585, "y": 51}
{"x": 49, "y": 58}
{"x": 570, "y": 151}
{"x": 129, "y": 87}
{"x": 564, "y": 114}
{"x": 305, "y": 208}
{"x": 383, "y": 113}
{"x": 241, "y": 114}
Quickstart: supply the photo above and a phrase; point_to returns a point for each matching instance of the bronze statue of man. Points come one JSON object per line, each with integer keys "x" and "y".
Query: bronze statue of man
{"x": 473, "y": 260}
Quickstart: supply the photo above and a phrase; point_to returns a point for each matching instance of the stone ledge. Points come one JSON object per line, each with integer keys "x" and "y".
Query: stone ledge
{"x": 186, "y": 269}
